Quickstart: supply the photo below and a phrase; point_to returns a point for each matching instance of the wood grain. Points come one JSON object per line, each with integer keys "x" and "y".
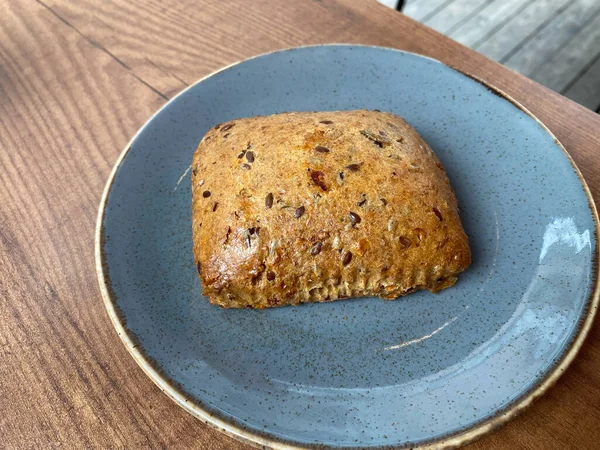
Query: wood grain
{"x": 507, "y": 40}
{"x": 77, "y": 79}
{"x": 566, "y": 65}
{"x": 586, "y": 89}
{"x": 454, "y": 14}
{"x": 423, "y": 9}
{"x": 487, "y": 21}
{"x": 558, "y": 32}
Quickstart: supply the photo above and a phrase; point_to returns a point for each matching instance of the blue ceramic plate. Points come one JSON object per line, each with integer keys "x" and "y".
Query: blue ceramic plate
{"x": 425, "y": 370}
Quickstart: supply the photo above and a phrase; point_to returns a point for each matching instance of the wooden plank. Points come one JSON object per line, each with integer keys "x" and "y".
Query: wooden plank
{"x": 453, "y": 14}
{"x": 570, "y": 61}
{"x": 68, "y": 108}
{"x": 520, "y": 28}
{"x": 487, "y": 21}
{"x": 76, "y": 83}
{"x": 586, "y": 89}
{"x": 168, "y": 38}
{"x": 553, "y": 37}
{"x": 422, "y": 9}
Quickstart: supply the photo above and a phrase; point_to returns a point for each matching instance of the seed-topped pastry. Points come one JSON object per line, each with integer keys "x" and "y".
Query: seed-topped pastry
{"x": 319, "y": 206}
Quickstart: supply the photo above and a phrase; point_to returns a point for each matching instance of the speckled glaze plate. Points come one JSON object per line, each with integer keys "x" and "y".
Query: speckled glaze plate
{"x": 426, "y": 370}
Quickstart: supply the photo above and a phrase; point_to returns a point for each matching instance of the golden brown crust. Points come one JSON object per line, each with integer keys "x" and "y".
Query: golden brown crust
{"x": 309, "y": 207}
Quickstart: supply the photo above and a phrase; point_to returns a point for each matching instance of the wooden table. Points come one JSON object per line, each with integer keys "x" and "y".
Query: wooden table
{"x": 77, "y": 79}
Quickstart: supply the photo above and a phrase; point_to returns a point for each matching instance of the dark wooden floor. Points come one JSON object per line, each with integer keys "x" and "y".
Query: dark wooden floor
{"x": 555, "y": 42}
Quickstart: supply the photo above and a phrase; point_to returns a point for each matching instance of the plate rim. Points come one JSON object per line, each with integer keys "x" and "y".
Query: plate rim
{"x": 268, "y": 440}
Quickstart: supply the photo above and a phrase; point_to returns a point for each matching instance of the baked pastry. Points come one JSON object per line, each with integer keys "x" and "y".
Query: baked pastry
{"x": 318, "y": 206}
